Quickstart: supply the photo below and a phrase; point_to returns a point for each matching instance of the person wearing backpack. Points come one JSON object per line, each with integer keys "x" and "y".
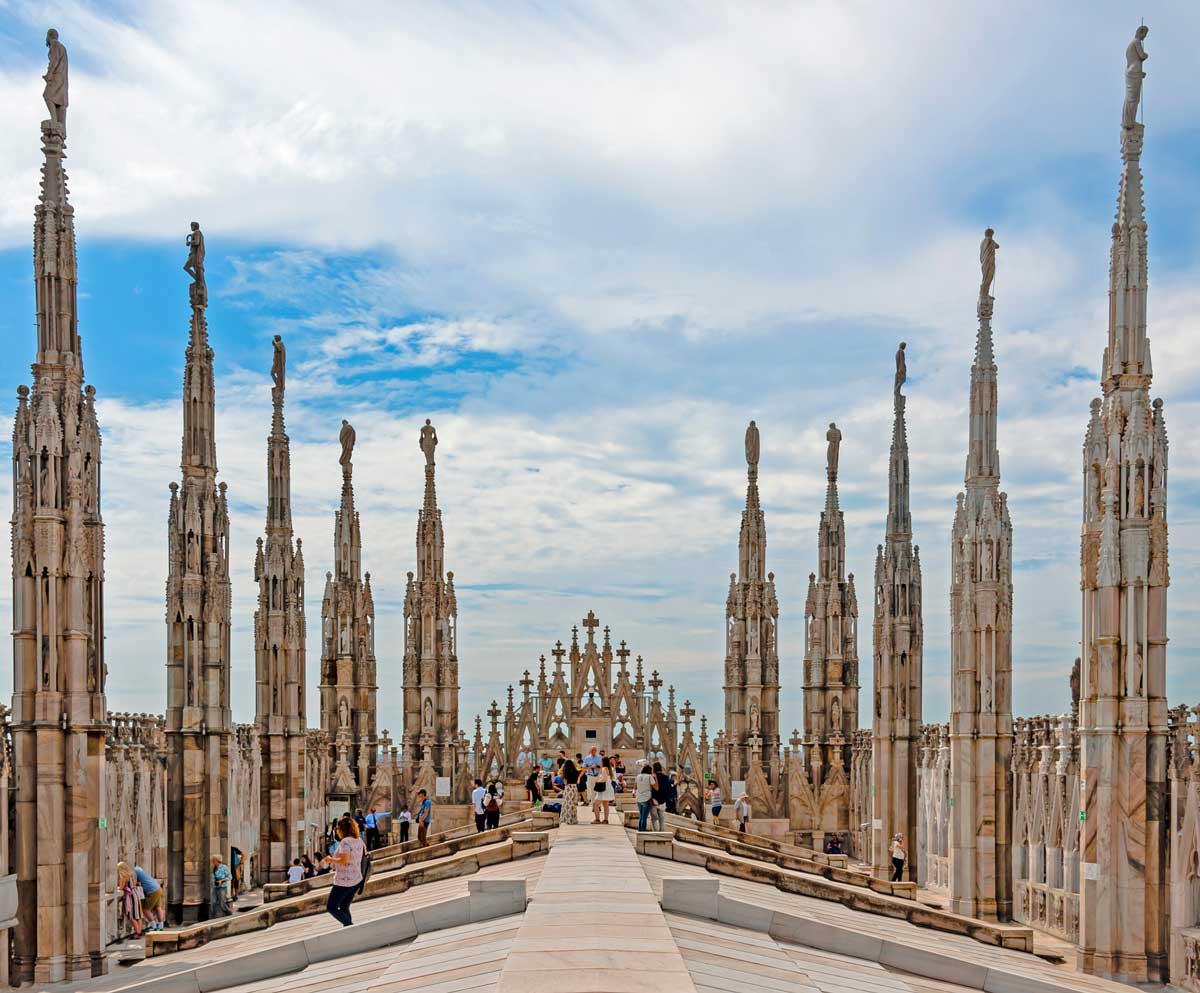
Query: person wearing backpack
{"x": 491, "y": 808}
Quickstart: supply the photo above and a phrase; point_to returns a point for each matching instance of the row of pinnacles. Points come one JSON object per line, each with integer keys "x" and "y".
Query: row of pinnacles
{"x": 1085, "y": 824}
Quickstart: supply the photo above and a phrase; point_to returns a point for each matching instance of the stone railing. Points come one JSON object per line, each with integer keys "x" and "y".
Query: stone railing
{"x": 932, "y": 849}
{"x": 1045, "y": 792}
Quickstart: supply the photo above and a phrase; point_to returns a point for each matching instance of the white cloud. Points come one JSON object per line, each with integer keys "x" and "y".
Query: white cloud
{"x": 669, "y": 219}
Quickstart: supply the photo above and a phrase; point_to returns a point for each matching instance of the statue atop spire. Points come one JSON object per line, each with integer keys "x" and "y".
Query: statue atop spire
{"x": 194, "y": 266}
{"x": 901, "y": 370}
{"x": 346, "y": 436}
{"x": 987, "y": 263}
{"x": 279, "y": 366}
{"x": 752, "y": 446}
{"x": 55, "y": 93}
{"x": 834, "y": 437}
{"x": 1135, "y": 55}
{"x": 428, "y": 441}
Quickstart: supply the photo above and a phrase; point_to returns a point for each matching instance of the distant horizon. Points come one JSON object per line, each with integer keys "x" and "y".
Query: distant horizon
{"x": 591, "y": 246}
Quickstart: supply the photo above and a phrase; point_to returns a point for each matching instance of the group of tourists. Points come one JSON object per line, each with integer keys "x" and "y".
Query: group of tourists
{"x": 141, "y": 897}
{"x": 486, "y": 802}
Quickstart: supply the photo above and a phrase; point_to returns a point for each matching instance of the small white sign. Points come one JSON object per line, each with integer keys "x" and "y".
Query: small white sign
{"x": 1091, "y": 870}
{"x": 300, "y": 825}
{"x": 443, "y": 786}
{"x": 739, "y": 787}
{"x": 877, "y": 824}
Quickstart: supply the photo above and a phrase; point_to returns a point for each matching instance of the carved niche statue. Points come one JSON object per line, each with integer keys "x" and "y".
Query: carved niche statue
{"x": 901, "y": 369}
{"x": 834, "y": 437}
{"x": 428, "y": 441}
{"x": 55, "y": 93}
{"x": 1135, "y": 55}
{"x": 754, "y": 717}
{"x": 343, "y": 713}
{"x": 752, "y": 445}
{"x": 278, "y": 363}
{"x": 987, "y": 263}
{"x": 346, "y": 436}
{"x": 1075, "y": 687}
{"x": 427, "y": 721}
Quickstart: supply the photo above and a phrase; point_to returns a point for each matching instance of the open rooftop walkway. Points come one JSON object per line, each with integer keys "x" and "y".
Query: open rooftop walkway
{"x": 595, "y": 923}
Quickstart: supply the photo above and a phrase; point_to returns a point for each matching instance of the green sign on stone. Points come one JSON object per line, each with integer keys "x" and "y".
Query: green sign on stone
{"x": 1083, "y": 815}
{"x": 103, "y": 823}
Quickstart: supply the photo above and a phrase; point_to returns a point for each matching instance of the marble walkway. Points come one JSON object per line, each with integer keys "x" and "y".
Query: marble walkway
{"x": 594, "y": 923}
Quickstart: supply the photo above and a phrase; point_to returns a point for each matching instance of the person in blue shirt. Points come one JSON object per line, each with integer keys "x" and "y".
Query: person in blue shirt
{"x": 372, "y": 830}
{"x": 424, "y": 817}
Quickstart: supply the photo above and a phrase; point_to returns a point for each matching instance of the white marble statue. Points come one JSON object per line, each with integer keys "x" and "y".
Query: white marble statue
{"x": 1135, "y": 55}
{"x": 834, "y": 437}
{"x": 428, "y": 441}
{"x": 55, "y": 93}
{"x": 987, "y": 263}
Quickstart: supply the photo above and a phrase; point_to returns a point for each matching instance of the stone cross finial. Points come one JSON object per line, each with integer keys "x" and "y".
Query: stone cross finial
{"x": 591, "y": 623}
{"x": 687, "y": 713}
{"x": 623, "y": 656}
{"x": 526, "y": 684}
{"x": 494, "y": 714}
{"x": 655, "y": 682}
{"x": 558, "y": 654}
{"x": 795, "y": 741}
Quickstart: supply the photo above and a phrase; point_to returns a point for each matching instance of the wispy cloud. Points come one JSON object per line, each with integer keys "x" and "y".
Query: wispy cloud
{"x": 591, "y": 243}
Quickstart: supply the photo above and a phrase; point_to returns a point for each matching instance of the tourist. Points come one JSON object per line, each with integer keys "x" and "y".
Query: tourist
{"x": 477, "y": 797}
{"x": 672, "y": 792}
{"x": 569, "y": 814}
{"x": 235, "y": 865}
{"x": 154, "y": 899}
{"x": 591, "y": 766}
{"x": 221, "y": 877}
{"x": 361, "y": 822}
{"x": 491, "y": 807}
{"x": 532, "y": 789}
{"x": 424, "y": 817}
{"x": 406, "y": 820}
{"x": 618, "y": 764}
{"x": 658, "y": 797}
{"x": 715, "y": 796}
{"x": 546, "y": 764}
{"x": 372, "y": 825}
{"x": 643, "y": 793}
{"x": 898, "y": 857}
{"x": 310, "y": 870}
{"x": 130, "y": 892}
{"x": 602, "y": 792}
{"x": 741, "y": 811}
{"x": 833, "y": 846}
{"x": 347, "y": 870}
{"x": 295, "y": 871}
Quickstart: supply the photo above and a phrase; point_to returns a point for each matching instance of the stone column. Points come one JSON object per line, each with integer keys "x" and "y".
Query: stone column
{"x": 981, "y": 731}
{"x": 1123, "y": 708}
{"x": 58, "y": 708}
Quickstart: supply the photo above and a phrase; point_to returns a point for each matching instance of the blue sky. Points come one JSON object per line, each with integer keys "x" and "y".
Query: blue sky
{"x": 591, "y": 242}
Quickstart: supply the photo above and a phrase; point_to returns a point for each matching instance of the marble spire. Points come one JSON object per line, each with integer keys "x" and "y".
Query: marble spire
{"x": 58, "y": 705}
{"x": 831, "y": 643}
{"x": 981, "y": 728}
{"x": 1123, "y": 706}
{"x": 899, "y": 640}
{"x": 348, "y": 680}
{"x": 751, "y": 635}
{"x": 279, "y": 636}
{"x": 430, "y": 675}
{"x": 199, "y": 724}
